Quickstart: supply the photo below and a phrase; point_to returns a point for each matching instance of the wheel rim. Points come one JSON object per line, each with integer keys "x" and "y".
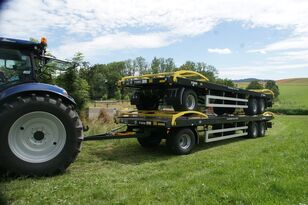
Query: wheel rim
{"x": 37, "y": 137}
{"x": 191, "y": 102}
{"x": 185, "y": 141}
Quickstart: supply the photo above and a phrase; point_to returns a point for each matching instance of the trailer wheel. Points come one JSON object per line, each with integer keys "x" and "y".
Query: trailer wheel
{"x": 181, "y": 141}
{"x": 221, "y": 111}
{"x": 149, "y": 142}
{"x": 189, "y": 101}
{"x": 261, "y": 129}
{"x": 261, "y": 105}
{"x": 252, "y": 107}
{"x": 144, "y": 102}
{"x": 39, "y": 136}
{"x": 253, "y": 130}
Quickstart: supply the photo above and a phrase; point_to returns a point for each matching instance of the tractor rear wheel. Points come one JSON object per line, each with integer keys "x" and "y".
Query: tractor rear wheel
{"x": 40, "y": 136}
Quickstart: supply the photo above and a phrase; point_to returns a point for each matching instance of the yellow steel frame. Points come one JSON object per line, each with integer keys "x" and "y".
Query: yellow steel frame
{"x": 264, "y": 91}
{"x": 269, "y": 114}
{"x": 167, "y": 114}
{"x": 175, "y": 75}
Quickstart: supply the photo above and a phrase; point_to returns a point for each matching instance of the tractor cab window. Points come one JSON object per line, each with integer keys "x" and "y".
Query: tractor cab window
{"x": 15, "y": 66}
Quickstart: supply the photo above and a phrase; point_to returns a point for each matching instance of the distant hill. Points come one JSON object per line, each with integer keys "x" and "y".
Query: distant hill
{"x": 243, "y": 83}
{"x": 293, "y": 81}
{"x": 246, "y": 80}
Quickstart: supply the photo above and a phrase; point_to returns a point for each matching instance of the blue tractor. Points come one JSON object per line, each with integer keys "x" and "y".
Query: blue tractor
{"x": 40, "y": 132}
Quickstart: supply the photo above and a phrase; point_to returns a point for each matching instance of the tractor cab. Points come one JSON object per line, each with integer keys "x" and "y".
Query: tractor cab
{"x": 17, "y": 61}
{"x": 23, "y": 61}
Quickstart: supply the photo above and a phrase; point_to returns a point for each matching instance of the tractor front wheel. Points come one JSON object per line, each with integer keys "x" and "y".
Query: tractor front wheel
{"x": 39, "y": 136}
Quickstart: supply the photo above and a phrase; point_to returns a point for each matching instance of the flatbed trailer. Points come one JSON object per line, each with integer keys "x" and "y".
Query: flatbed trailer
{"x": 189, "y": 90}
{"x": 183, "y": 130}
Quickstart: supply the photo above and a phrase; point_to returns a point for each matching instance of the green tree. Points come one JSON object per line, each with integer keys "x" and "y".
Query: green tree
{"x": 255, "y": 84}
{"x": 188, "y": 65}
{"x": 129, "y": 68}
{"x": 76, "y": 86}
{"x": 225, "y": 81}
{"x": 169, "y": 65}
{"x": 271, "y": 85}
{"x": 155, "y": 65}
{"x": 141, "y": 65}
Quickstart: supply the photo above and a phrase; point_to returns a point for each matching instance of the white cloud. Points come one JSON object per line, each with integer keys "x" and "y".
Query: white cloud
{"x": 219, "y": 50}
{"x": 263, "y": 71}
{"x": 297, "y": 42}
{"x": 179, "y": 17}
{"x": 97, "y": 26}
{"x": 111, "y": 42}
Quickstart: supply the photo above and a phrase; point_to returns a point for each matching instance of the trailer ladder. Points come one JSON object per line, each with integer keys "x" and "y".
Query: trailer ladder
{"x": 224, "y": 133}
{"x": 238, "y": 102}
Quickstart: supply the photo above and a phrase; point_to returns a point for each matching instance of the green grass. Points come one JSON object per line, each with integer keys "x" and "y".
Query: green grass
{"x": 268, "y": 170}
{"x": 293, "y": 96}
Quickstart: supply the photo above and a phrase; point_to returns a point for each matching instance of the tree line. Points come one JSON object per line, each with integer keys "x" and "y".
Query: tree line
{"x": 98, "y": 82}
{"x": 269, "y": 84}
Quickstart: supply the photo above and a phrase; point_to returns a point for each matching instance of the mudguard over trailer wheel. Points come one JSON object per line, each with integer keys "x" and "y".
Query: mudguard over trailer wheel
{"x": 181, "y": 141}
{"x": 39, "y": 136}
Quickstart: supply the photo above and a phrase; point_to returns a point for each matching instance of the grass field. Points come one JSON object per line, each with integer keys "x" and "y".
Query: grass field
{"x": 268, "y": 170}
{"x": 293, "y": 93}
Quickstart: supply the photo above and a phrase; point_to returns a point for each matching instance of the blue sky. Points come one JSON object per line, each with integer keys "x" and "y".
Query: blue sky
{"x": 262, "y": 38}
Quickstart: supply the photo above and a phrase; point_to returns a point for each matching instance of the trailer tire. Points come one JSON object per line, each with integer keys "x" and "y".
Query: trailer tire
{"x": 188, "y": 102}
{"x": 53, "y": 133}
{"x": 253, "y": 130}
{"x": 221, "y": 111}
{"x": 2, "y": 171}
{"x": 148, "y": 142}
{"x": 252, "y": 107}
{"x": 145, "y": 102}
{"x": 181, "y": 141}
{"x": 261, "y": 129}
{"x": 261, "y": 105}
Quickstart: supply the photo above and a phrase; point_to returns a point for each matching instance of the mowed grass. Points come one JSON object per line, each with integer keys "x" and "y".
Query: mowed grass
{"x": 268, "y": 170}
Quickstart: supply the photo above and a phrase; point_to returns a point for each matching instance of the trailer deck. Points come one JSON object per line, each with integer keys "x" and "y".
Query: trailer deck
{"x": 189, "y": 90}
{"x": 170, "y": 119}
{"x": 167, "y": 120}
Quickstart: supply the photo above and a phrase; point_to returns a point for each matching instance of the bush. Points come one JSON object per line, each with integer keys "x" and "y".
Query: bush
{"x": 254, "y": 85}
{"x": 271, "y": 85}
{"x": 289, "y": 111}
